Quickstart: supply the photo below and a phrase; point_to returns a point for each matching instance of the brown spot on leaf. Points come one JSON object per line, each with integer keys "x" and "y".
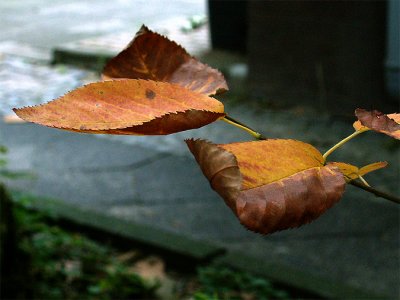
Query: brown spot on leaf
{"x": 150, "y": 94}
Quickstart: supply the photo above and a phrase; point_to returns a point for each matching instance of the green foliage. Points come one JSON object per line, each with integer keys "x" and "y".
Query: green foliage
{"x": 67, "y": 265}
{"x": 223, "y": 283}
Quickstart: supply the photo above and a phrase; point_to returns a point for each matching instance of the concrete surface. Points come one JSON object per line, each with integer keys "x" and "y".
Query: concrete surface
{"x": 154, "y": 181}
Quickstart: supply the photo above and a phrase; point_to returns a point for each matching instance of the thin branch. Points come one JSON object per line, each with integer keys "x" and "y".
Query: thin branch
{"x": 377, "y": 193}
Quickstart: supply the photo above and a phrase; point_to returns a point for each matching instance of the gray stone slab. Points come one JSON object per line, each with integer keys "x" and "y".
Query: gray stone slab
{"x": 356, "y": 242}
{"x": 194, "y": 219}
{"x": 75, "y": 167}
{"x": 316, "y": 287}
{"x": 173, "y": 178}
{"x": 176, "y": 244}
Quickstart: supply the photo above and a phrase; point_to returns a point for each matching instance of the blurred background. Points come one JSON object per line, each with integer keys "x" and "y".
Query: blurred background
{"x": 295, "y": 69}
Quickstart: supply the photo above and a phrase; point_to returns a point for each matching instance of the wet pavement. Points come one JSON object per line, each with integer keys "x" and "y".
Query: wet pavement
{"x": 24, "y": 81}
{"x": 154, "y": 180}
{"x": 46, "y": 24}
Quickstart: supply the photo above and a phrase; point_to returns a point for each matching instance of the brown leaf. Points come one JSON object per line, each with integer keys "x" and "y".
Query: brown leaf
{"x": 270, "y": 185}
{"x": 377, "y": 121}
{"x": 290, "y": 202}
{"x": 215, "y": 160}
{"x": 152, "y": 56}
{"x": 127, "y": 106}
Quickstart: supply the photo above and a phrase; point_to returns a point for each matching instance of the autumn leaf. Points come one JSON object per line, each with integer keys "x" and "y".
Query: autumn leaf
{"x": 270, "y": 185}
{"x": 372, "y": 167}
{"x": 352, "y": 172}
{"x": 152, "y": 56}
{"x": 127, "y": 106}
{"x": 377, "y": 121}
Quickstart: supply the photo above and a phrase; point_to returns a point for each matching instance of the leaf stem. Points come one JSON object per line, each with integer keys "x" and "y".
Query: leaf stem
{"x": 244, "y": 127}
{"x": 342, "y": 142}
{"x": 376, "y": 192}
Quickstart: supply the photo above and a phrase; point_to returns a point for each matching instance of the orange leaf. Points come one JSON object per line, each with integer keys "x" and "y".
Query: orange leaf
{"x": 152, "y": 56}
{"x": 127, "y": 106}
{"x": 377, "y": 121}
{"x": 270, "y": 185}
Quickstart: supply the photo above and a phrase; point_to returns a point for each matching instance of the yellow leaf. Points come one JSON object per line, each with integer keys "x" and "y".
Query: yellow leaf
{"x": 263, "y": 162}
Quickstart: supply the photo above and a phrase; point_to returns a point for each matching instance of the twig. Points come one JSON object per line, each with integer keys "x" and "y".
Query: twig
{"x": 377, "y": 193}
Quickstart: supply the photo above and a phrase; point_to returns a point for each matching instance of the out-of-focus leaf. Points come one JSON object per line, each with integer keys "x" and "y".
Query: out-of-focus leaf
{"x": 351, "y": 172}
{"x": 127, "y": 106}
{"x": 152, "y": 56}
{"x": 270, "y": 185}
{"x": 377, "y": 121}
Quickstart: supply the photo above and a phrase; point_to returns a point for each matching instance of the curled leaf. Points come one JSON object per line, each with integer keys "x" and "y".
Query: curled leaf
{"x": 270, "y": 185}
{"x": 152, "y": 56}
{"x": 126, "y": 106}
{"x": 351, "y": 172}
{"x": 377, "y": 121}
